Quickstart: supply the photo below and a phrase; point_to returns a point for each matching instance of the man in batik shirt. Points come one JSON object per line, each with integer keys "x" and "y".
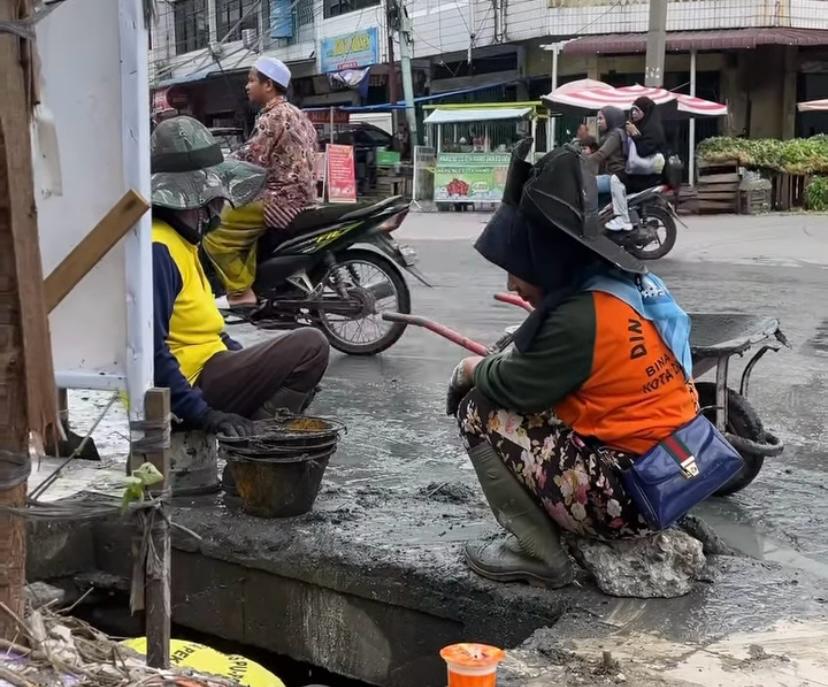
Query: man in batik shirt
{"x": 284, "y": 143}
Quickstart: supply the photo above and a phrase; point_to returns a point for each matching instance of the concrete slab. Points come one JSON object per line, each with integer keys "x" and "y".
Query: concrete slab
{"x": 372, "y": 583}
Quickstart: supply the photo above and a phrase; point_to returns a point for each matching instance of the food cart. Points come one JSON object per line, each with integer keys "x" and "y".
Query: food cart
{"x": 473, "y": 145}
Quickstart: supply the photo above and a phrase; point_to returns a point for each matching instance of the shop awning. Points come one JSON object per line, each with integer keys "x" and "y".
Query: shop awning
{"x": 813, "y": 106}
{"x": 400, "y": 104}
{"x": 477, "y": 115}
{"x": 685, "y": 41}
{"x": 590, "y": 96}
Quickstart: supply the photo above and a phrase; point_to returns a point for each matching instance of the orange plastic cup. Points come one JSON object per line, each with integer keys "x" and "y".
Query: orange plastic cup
{"x": 472, "y": 665}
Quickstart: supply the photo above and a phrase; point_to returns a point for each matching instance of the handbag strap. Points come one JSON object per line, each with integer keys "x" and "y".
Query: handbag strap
{"x": 683, "y": 456}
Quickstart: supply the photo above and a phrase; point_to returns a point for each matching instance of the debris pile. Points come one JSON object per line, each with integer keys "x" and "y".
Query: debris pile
{"x": 664, "y": 565}
{"x": 55, "y": 650}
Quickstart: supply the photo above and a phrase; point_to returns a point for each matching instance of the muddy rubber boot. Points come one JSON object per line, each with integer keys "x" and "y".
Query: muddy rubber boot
{"x": 294, "y": 401}
{"x": 534, "y": 553}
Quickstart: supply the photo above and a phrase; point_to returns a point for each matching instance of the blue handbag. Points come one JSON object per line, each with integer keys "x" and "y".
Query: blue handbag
{"x": 681, "y": 471}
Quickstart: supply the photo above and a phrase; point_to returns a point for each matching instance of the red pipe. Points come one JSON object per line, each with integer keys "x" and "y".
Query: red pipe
{"x": 441, "y": 330}
{"x": 512, "y": 299}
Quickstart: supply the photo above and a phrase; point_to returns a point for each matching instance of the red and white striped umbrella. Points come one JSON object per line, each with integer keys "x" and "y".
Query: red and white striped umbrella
{"x": 593, "y": 95}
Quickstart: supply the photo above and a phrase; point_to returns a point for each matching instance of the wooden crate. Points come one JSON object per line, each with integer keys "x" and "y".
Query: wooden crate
{"x": 788, "y": 190}
{"x": 688, "y": 200}
{"x": 717, "y": 186}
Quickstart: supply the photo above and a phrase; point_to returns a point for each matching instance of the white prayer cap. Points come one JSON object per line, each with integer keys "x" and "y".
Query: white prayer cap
{"x": 273, "y": 69}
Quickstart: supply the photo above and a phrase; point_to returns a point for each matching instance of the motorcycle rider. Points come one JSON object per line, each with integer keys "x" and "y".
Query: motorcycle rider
{"x": 600, "y": 373}
{"x": 284, "y": 143}
{"x": 215, "y": 385}
{"x": 609, "y": 162}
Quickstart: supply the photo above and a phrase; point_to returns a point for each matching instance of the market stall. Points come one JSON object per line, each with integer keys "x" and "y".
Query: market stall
{"x": 473, "y": 144}
{"x": 589, "y": 96}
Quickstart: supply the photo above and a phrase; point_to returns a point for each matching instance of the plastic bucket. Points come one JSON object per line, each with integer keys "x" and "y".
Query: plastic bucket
{"x": 472, "y": 665}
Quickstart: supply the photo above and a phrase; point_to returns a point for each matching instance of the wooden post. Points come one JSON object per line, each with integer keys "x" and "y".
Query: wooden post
{"x": 28, "y": 400}
{"x": 157, "y": 615}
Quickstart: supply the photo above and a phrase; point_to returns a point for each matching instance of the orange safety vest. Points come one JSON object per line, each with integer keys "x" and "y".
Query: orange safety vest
{"x": 636, "y": 394}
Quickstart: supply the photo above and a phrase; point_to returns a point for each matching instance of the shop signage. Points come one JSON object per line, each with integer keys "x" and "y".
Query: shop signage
{"x": 281, "y": 19}
{"x": 172, "y": 98}
{"x": 470, "y": 177}
{"x": 349, "y": 51}
{"x": 340, "y": 174}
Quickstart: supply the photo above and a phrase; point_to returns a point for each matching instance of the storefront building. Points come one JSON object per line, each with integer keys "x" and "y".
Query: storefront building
{"x": 758, "y": 56}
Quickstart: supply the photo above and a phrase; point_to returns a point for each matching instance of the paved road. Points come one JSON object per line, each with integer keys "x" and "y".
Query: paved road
{"x": 771, "y": 265}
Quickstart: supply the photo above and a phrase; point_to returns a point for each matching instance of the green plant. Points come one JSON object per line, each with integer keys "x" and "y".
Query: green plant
{"x": 816, "y": 194}
{"x": 796, "y": 156}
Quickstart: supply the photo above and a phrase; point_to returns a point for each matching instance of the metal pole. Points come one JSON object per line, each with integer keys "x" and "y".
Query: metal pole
{"x": 556, "y": 50}
{"x": 408, "y": 81}
{"x": 691, "y": 162}
{"x": 656, "y": 44}
{"x": 393, "y": 90}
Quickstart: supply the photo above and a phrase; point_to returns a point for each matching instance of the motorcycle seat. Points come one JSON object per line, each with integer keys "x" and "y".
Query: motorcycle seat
{"x": 315, "y": 218}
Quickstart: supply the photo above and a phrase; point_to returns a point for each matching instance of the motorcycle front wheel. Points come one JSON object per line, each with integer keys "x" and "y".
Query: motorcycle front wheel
{"x": 374, "y": 281}
{"x": 664, "y": 225}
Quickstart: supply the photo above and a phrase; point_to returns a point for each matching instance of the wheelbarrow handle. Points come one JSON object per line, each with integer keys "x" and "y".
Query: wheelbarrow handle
{"x": 512, "y": 299}
{"x": 447, "y": 333}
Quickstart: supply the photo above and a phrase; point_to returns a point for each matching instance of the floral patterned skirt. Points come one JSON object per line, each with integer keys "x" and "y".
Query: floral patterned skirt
{"x": 579, "y": 486}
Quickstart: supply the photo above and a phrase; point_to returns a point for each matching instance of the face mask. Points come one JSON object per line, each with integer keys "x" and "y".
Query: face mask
{"x": 210, "y": 220}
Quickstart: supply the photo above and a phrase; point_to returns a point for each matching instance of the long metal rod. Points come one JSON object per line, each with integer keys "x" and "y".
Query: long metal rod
{"x": 691, "y": 161}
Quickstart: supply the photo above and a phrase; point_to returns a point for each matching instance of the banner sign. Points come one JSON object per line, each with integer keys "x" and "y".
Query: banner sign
{"x": 350, "y": 51}
{"x": 281, "y": 19}
{"x": 470, "y": 177}
{"x": 341, "y": 175}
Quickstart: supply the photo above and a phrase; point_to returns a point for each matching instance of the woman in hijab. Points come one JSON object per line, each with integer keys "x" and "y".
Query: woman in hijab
{"x": 647, "y": 135}
{"x": 645, "y": 128}
{"x": 609, "y": 162}
{"x": 597, "y": 377}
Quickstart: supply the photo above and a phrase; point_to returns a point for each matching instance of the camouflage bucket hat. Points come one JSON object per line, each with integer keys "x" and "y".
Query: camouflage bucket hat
{"x": 189, "y": 169}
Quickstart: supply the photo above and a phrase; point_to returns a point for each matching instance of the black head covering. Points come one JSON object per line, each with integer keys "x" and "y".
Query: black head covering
{"x": 646, "y": 105}
{"x": 551, "y": 236}
{"x": 652, "y": 139}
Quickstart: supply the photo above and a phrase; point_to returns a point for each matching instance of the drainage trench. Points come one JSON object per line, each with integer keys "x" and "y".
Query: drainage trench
{"x": 113, "y": 617}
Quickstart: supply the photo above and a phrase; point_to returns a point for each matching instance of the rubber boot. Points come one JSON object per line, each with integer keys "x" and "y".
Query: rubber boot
{"x": 294, "y": 401}
{"x": 621, "y": 221}
{"x": 534, "y": 553}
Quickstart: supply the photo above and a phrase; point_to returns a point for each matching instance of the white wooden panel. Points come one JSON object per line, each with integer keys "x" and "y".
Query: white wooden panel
{"x": 98, "y": 93}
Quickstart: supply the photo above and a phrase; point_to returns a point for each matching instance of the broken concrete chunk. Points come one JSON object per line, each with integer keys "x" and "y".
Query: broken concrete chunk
{"x": 664, "y": 565}
{"x": 39, "y": 594}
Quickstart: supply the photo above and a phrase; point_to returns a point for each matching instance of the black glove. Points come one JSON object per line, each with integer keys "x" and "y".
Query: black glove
{"x": 226, "y": 424}
{"x": 459, "y": 386}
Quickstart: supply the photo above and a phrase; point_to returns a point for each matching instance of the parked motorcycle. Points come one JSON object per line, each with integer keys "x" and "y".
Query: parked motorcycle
{"x": 654, "y": 224}
{"x": 715, "y": 338}
{"x": 339, "y": 271}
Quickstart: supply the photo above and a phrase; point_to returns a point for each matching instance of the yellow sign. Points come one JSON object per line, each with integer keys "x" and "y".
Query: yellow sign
{"x": 206, "y": 660}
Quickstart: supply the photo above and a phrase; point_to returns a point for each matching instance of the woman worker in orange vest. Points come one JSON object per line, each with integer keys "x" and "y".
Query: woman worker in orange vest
{"x": 598, "y": 376}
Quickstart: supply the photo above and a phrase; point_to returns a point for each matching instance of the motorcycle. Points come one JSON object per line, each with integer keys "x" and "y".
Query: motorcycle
{"x": 654, "y": 224}
{"x": 715, "y": 338}
{"x": 338, "y": 271}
